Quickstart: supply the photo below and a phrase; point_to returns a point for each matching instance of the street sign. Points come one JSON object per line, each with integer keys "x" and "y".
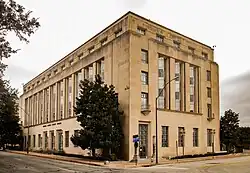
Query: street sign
{"x": 136, "y": 138}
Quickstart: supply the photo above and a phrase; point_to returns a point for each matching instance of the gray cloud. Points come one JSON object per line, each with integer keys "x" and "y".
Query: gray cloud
{"x": 18, "y": 75}
{"x": 235, "y": 95}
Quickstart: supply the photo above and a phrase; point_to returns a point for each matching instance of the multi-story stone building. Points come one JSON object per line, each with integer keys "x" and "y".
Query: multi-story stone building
{"x": 138, "y": 57}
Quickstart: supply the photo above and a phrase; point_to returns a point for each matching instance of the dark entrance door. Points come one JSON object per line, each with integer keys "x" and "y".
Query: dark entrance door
{"x": 143, "y": 144}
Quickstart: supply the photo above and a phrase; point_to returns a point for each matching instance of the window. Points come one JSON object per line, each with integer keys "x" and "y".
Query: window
{"x": 177, "y": 95}
{"x": 78, "y": 79}
{"x": 204, "y": 55}
{"x": 144, "y": 56}
{"x": 34, "y": 141}
{"x": 164, "y": 142}
{"x": 159, "y": 38}
{"x": 208, "y": 75}
{"x": 69, "y": 84}
{"x": 209, "y": 94}
{"x": 46, "y": 140}
{"x": 144, "y": 78}
{"x": 141, "y": 30}
{"x": 29, "y": 140}
{"x": 209, "y": 111}
{"x": 177, "y": 86}
{"x": 104, "y": 40}
{"x": 63, "y": 67}
{"x": 91, "y": 49}
{"x": 209, "y": 137}
{"x": 66, "y": 138}
{"x": 61, "y": 88}
{"x": 181, "y": 136}
{"x": 144, "y": 100}
{"x": 162, "y": 63}
{"x": 39, "y": 140}
{"x": 100, "y": 68}
{"x": 191, "y": 98}
{"x": 191, "y": 49}
{"x": 71, "y": 61}
{"x": 118, "y": 32}
{"x": 195, "y": 137}
{"x": 177, "y": 44}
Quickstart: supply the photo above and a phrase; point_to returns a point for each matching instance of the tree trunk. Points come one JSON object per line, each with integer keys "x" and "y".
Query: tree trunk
{"x": 93, "y": 152}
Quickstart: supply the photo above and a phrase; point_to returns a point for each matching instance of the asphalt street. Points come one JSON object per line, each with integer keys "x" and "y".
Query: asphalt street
{"x": 16, "y": 163}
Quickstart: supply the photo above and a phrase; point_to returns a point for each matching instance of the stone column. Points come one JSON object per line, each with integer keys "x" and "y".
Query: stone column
{"x": 94, "y": 70}
{"x": 187, "y": 87}
{"x": 172, "y": 83}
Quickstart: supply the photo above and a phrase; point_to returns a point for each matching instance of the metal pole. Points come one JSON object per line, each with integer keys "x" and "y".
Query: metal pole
{"x": 156, "y": 132}
{"x": 156, "y": 120}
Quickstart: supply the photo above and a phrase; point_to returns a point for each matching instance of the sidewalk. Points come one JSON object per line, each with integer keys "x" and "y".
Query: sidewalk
{"x": 124, "y": 164}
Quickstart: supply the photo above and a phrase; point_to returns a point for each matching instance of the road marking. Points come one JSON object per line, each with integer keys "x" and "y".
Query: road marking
{"x": 18, "y": 159}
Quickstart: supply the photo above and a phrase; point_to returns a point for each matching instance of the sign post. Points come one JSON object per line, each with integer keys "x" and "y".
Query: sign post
{"x": 136, "y": 140}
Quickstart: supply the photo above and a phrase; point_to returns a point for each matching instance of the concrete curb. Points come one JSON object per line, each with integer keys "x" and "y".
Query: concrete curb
{"x": 57, "y": 158}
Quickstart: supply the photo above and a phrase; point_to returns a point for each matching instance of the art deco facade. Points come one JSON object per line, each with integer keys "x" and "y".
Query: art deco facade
{"x": 138, "y": 57}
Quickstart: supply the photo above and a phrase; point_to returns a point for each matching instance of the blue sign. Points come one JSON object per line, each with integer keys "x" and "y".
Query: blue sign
{"x": 136, "y": 138}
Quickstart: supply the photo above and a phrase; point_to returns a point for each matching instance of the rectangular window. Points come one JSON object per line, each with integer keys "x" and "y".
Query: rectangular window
{"x": 209, "y": 137}
{"x": 160, "y": 38}
{"x": 46, "y": 140}
{"x": 78, "y": 79}
{"x": 209, "y": 111}
{"x": 61, "y": 89}
{"x": 100, "y": 68}
{"x": 209, "y": 93}
{"x": 104, "y": 40}
{"x": 208, "y": 75}
{"x": 34, "y": 141}
{"x": 144, "y": 78}
{"x": 91, "y": 49}
{"x": 193, "y": 85}
{"x": 141, "y": 30}
{"x": 69, "y": 96}
{"x": 53, "y": 103}
{"x": 204, "y": 55}
{"x": 66, "y": 138}
{"x": 39, "y": 140}
{"x": 181, "y": 136}
{"x": 177, "y": 44}
{"x": 144, "y": 56}
{"x": 164, "y": 142}
{"x": 178, "y": 86}
{"x": 118, "y": 32}
{"x": 191, "y": 49}
{"x": 195, "y": 137}
{"x": 29, "y": 140}
{"x": 144, "y": 100}
{"x": 161, "y": 81}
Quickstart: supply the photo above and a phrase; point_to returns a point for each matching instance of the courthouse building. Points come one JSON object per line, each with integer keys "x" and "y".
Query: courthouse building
{"x": 138, "y": 57}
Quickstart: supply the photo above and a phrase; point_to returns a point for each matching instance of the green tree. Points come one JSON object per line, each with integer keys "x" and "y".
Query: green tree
{"x": 14, "y": 19}
{"x": 244, "y": 136}
{"x": 10, "y": 129}
{"x": 98, "y": 113}
{"x": 229, "y": 130}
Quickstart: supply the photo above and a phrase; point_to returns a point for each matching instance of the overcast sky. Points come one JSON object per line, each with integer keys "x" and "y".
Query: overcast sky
{"x": 67, "y": 24}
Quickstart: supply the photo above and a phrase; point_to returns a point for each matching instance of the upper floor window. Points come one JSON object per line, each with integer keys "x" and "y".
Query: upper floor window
{"x": 104, "y": 40}
{"x": 144, "y": 100}
{"x": 91, "y": 49}
{"x": 177, "y": 44}
{"x": 141, "y": 30}
{"x": 159, "y": 38}
{"x": 118, "y": 32}
{"x": 209, "y": 92}
{"x": 204, "y": 55}
{"x": 144, "y": 78}
{"x": 208, "y": 75}
{"x": 209, "y": 111}
{"x": 191, "y": 49}
{"x": 144, "y": 56}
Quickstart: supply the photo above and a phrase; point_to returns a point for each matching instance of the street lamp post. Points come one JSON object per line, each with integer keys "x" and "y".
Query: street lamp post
{"x": 27, "y": 148}
{"x": 156, "y": 119}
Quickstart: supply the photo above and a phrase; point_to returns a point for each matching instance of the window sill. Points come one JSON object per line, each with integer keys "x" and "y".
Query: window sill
{"x": 169, "y": 110}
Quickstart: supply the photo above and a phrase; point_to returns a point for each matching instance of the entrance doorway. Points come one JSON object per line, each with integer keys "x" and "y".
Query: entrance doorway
{"x": 143, "y": 144}
{"x": 60, "y": 141}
